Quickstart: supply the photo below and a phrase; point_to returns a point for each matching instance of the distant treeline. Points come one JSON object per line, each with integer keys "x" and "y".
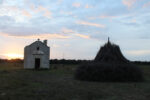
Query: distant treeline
{"x": 11, "y": 61}
{"x": 52, "y": 61}
{"x": 142, "y": 62}
{"x": 67, "y": 61}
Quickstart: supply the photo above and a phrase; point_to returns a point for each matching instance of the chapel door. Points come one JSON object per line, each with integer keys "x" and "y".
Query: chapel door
{"x": 37, "y": 63}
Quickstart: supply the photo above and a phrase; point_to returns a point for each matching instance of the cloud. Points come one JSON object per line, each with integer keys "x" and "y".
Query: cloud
{"x": 35, "y": 36}
{"x": 7, "y": 20}
{"x": 90, "y": 24}
{"x": 40, "y": 9}
{"x": 45, "y": 35}
{"x": 132, "y": 22}
{"x": 59, "y": 1}
{"x": 9, "y": 10}
{"x": 146, "y": 5}
{"x": 107, "y": 16}
{"x": 51, "y": 36}
{"x": 55, "y": 46}
{"x": 77, "y": 5}
{"x": 74, "y": 33}
{"x": 66, "y": 13}
{"x": 129, "y": 3}
{"x": 138, "y": 52}
{"x": 47, "y": 14}
{"x": 45, "y": 11}
{"x": 1, "y": 2}
{"x": 104, "y": 16}
{"x": 83, "y": 36}
{"x": 88, "y": 6}
{"x": 66, "y": 30}
{"x": 25, "y": 13}
{"x": 18, "y": 13}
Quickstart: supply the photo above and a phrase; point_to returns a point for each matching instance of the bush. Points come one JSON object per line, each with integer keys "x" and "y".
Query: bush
{"x": 105, "y": 72}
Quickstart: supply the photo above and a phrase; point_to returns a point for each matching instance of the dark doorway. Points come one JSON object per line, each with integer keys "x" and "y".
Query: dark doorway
{"x": 37, "y": 63}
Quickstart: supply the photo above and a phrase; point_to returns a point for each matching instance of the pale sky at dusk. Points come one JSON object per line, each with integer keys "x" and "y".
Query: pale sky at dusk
{"x": 75, "y": 28}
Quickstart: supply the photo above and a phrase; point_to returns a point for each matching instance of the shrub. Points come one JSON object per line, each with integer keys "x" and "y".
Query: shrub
{"x": 105, "y": 72}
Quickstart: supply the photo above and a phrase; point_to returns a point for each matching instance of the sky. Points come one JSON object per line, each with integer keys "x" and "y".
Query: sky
{"x": 75, "y": 29}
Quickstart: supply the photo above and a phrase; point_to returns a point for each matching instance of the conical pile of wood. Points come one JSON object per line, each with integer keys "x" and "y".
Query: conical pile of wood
{"x": 110, "y": 53}
{"x": 109, "y": 65}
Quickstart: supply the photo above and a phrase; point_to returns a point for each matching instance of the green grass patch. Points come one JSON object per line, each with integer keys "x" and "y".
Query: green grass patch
{"x": 58, "y": 84}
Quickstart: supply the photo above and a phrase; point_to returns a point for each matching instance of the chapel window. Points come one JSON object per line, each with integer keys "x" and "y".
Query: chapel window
{"x": 37, "y": 48}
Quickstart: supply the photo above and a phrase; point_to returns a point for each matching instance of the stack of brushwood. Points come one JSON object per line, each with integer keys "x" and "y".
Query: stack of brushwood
{"x": 109, "y": 65}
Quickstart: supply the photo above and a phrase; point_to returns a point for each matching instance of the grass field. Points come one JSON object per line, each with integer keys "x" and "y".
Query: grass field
{"x": 59, "y": 84}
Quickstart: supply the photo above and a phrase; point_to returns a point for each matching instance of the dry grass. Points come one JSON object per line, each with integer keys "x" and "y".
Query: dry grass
{"x": 58, "y": 84}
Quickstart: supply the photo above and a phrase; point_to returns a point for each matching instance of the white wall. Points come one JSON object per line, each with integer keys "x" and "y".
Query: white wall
{"x": 29, "y": 58}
